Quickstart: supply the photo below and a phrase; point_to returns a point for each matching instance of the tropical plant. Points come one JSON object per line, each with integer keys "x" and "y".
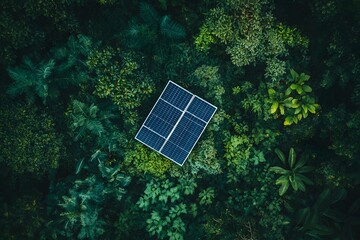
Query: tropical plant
{"x": 152, "y": 28}
{"x": 46, "y": 78}
{"x": 86, "y": 119}
{"x": 78, "y": 214}
{"x": 121, "y": 77}
{"x": 28, "y": 139}
{"x": 294, "y": 175}
{"x": 165, "y": 203}
{"x": 295, "y": 103}
{"x": 321, "y": 218}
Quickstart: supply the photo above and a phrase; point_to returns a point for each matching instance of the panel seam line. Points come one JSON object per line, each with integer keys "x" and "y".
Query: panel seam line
{"x": 181, "y": 116}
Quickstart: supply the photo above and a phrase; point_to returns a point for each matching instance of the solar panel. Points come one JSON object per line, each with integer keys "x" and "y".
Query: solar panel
{"x": 175, "y": 123}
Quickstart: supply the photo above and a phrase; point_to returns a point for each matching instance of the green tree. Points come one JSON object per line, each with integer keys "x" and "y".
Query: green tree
{"x": 45, "y": 79}
{"x": 79, "y": 214}
{"x": 29, "y": 141}
{"x": 294, "y": 174}
{"x": 120, "y": 76}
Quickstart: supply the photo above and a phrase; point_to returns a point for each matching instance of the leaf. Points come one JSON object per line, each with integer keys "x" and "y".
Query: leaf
{"x": 301, "y": 185}
{"x": 288, "y": 121}
{"x": 281, "y": 180}
{"x": 280, "y": 155}
{"x": 278, "y": 170}
{"x": 288, "y": 91}
{"x": 300, "y": 163}
{"x": 282, "y": 110}
{"x": 307, "y": 88}
{"x": 149, "y": 14}
{"x": 171, "y": 29}
{"x": 299, "y": 89}
{"x": 271, "y": 92}
{"x": 292, "y": 157}
{"x": 303, "y": 215}
{"x": 297, "y": 111}
{"x": 294, "y": 75}
{"x": 305, "y": 169}
{"x": 274, "y": 107}
{"x": 311, "y": 109}
{"x": 294, "y": 86}
{"x": 304, "y": 179}
{"x": 79, "y": 166}
{"x": 335, "y": 215}
{"x": 284, "y": 187}
{"x": 304, "y": 77}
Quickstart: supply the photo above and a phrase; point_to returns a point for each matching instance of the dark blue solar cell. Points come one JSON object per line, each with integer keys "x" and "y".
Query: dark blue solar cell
{"x": 194, "y": 119}
{"x": 174, "y": 152}
{"x": 201, "y": 109}
{"x": 186, "y": 134}
{"x": 176, "y": 96}
{"x": 150, "y": 138}
{"x": 174, "y": 132}
{"x": 162, "y": 118}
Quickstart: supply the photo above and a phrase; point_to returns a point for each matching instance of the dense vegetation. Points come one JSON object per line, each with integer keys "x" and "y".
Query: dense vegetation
{"x": 279, "y": 160}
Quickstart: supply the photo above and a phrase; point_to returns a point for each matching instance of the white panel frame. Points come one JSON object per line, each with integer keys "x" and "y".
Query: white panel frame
{"x": 183, "y": 113}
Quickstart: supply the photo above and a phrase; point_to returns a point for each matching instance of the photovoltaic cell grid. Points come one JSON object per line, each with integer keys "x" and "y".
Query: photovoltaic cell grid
{"x": 175, "y": 123}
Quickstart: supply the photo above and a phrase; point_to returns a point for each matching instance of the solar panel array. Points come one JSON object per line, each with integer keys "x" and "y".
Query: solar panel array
{"x": 175, "y": 123}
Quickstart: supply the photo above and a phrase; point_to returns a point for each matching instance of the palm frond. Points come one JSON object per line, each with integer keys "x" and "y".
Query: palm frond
{"x": 46, "y": 69}
{"x": 171, "y": 29}
{"x": 95, "y": 127}
{"x": 149, "y": 15}
{"x": 139, "y": 35}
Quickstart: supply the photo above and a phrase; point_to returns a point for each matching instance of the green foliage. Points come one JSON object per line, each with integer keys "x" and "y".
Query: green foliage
{"x": 171, "y": 29}
{"x": 153, "y": 30}
{"x": 294, "y": 174}
{"x": 140, "y": 159}
{"x": 29, "y": 142}
{"x": 247, "y": 31}
{"x": 32, "y": 80}
{"x": 291, "y": 36}
{"x": 275, "y": 69}
{"x": 204, "y": 158}
{"x": 163, "y": 200}
{"x": 204, "y": 40}
{"x": 206, "y": 196}
{"x": 319, "y": 219}
{"x": 237, "y": 152}
{"x": 255, "y": 201}
{"x": 296, "y": 102}
{"x": 86, "y": 119}
{"x": 22, "y": 218}
{"x": 343, "y": 137}
{"x": 80, "y": 212}
{"x": 120, "y": 77}
{"x": 209, "y": 79}
{"x": 46, "y": 78}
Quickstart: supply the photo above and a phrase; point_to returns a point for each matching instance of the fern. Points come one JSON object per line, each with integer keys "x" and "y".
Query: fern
{"x": 149, "y": 15}
{"x": 45, "y": 70}
{"x": 139, "y": 35}
{"x": 171, "y": 29}
{"x": 31, "y": 80}
{"x": 152, "y": 31}
{"x": 86, "y": 119}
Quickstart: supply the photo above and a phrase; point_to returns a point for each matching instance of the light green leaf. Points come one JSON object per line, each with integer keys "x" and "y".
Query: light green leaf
{"x": 280, "y": 155}
{"x": 307, "y": 88}
{"x": 274, "y": 107}
{"x": 292, "y": 157}
{"x": 271, "y": 92}
{"x": 278, "y": 170}
{"x": 284, "y": 187}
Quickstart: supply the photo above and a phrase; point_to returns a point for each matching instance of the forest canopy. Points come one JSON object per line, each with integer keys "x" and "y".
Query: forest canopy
{"x": 279, "y": 159}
